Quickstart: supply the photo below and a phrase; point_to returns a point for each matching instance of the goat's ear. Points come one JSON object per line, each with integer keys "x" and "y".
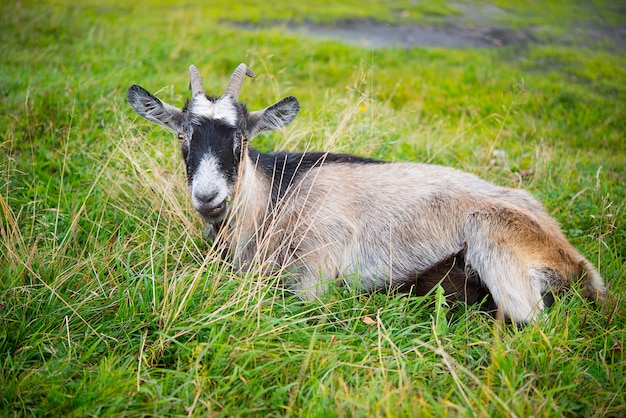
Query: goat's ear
{"x": 274, "y": 117}
{"x": 153, "y": 109}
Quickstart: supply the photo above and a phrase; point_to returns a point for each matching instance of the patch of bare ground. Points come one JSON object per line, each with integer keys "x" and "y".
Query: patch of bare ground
{"x": 475, "y": 26}
{"x": 372, "y": 33}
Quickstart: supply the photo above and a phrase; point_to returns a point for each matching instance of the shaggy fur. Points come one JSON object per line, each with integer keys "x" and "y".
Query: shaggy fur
{"x": 322, "y": 217}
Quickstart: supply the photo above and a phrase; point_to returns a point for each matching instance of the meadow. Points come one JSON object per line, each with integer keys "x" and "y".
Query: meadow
{"x": 112, "y": 303}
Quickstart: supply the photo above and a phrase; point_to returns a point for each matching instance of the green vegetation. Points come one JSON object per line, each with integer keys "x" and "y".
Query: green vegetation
{"x": 112, "y": 303}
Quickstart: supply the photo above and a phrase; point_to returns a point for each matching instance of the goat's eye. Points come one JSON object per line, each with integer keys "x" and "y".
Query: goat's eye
{"x": 181, "y": 137}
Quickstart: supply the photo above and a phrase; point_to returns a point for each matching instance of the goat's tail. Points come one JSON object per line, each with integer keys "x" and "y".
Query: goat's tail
{"x": 593, "y": 286}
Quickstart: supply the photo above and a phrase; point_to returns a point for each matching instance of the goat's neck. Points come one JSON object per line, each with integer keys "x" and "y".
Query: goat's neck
{"x": 251, "y": 199}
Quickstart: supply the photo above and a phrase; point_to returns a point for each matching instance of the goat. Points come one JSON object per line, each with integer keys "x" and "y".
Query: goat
{"x": 376, "y": 225}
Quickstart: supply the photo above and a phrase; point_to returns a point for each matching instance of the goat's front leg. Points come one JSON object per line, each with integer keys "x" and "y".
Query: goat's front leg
{"x": 309, "y": 277}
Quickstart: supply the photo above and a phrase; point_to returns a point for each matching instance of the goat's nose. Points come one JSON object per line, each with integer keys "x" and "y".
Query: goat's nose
{"x": 208, "y": 205}
{"x": 205, "y": 198}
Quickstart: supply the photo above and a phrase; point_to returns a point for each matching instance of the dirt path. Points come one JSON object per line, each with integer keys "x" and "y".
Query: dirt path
{"x": 371, "y": 33}
{"x": 474, "y": 26}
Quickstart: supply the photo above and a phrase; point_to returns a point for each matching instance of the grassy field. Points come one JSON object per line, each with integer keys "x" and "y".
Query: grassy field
{"x": 113, "y": 304}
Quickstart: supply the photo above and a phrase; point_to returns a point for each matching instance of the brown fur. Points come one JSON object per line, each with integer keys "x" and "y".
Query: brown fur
{"x": 376, "y": 226}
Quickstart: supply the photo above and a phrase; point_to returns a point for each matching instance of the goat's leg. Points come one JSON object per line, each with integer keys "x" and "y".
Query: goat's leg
{"x": 517, "y": 294}
{"x": 307, "y": 275}
{"x": 308, "y": 286}
{"x": 520, "y": 260}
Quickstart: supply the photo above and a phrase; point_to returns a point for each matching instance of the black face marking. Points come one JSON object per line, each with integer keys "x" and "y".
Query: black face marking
{"x": 212, "y": 131}
{"x": 216, "y": 139}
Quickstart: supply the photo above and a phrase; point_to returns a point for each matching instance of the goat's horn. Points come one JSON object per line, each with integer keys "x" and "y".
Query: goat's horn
{"x": 236, "y": 80}
{"x": 195, "y": 81}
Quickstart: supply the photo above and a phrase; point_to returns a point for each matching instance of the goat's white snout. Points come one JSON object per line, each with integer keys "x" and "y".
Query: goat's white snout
{"x": 209, "y": 190}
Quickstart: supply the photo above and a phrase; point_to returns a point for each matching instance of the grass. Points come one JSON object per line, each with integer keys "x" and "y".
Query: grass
{"x": 112, "y": 303}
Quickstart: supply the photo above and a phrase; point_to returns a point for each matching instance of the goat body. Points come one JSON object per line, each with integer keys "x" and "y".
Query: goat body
{"x": 320, "y": 217}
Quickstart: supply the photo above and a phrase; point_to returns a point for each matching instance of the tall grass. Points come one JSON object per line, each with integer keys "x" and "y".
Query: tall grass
{"x": 113, "y": 304}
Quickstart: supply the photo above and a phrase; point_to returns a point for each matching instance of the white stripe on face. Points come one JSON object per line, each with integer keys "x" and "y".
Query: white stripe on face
{"x": 208, "y": 180}
{"x": 222, "y": 109}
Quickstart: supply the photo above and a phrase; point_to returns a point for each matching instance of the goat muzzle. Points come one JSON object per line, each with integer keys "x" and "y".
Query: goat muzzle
{"x": 209, "y": 209}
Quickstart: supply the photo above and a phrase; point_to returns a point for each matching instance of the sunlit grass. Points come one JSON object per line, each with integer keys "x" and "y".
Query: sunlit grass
{"x": 113, "y": 304}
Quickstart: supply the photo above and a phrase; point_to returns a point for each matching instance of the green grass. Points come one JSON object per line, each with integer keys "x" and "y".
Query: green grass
{"x": 112, "y": 303}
